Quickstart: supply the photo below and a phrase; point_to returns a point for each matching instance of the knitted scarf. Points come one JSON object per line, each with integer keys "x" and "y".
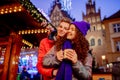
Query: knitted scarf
{"x": 65, "y": 69}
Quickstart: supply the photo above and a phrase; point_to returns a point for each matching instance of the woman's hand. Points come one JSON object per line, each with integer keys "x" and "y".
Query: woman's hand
{"x": 71, "y": 55}
{"x": 60, "y": 55}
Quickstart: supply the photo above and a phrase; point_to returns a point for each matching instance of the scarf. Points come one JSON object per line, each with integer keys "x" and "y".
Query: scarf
{"x": 65, "y": 69}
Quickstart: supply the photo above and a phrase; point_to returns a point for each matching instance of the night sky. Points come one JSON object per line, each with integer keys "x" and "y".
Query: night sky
{"x": 108, "y": 7}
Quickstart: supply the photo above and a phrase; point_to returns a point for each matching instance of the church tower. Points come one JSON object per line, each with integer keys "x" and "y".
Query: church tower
{"x": 58, "y": 11}
{"x": 96, "y": 35}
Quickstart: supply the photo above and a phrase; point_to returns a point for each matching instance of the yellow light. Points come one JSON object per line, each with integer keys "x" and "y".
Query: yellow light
{"x": 25, "y": 31}
{"x": 28, "y": 31}
{"x": 31, "y": 54}
{"x": 10, "y": 8}
{"x": 20, "y": 6}
{"x": 42, "y": 30}
{"x": 15, "y": 10}
{"x": 103, "y": 57}
{"x": 19, "y": 32}
{"x": 6, "y": 11}
{"x": 45, "y": 30}
{"x": 15, "y": 7}
{"x": 2, "y": 12}
{"x": 22, "y": 32}
{"x": 10, "y": 11}
{"x": 32, "y": 31}
{"x": 2, "y": 9}
{"x": 19, "y": 57}
{"x": 38, "y": 30}
{"x": 19, "y": 9}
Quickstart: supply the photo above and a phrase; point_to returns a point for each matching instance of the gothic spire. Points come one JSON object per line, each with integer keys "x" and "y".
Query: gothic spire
{"x": 90, "y": 1}
{"x": 56, "y": 1}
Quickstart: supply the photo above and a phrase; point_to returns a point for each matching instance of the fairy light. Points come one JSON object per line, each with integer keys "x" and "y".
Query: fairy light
{"x": 2, "y": 12}
{"x": 15, "y": 10}
{"x": 35, "y": 31}
{"x": 38, "y": 30}
{"x": 10, "y": 9}
{"x": 27, "y": 43}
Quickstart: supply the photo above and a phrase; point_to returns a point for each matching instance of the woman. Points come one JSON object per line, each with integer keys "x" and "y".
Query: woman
{"x": 81, "y": 61}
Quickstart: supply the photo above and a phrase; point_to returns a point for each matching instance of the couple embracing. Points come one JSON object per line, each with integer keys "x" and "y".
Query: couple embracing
{"x": 67, "y": 57}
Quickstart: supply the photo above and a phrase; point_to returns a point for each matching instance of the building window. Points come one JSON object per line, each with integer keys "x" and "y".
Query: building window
{"x": 92, "y": 42}
{"x": 89, "y": 19}
{"x": 98, "y": 18}
{"x": 94, "y": 28}
{"x": 93, "y": 19}
{"x": 93, "y": 10}
{"x": 118, "y": 46}
{"x": 116, "y": 27}
{"x": 99, "y": 42}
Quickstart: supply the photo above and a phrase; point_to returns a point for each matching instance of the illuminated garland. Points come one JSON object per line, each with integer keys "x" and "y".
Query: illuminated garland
{"x": 35, "y": 31}
{"x": 33, "y": 10}
{"x": 12, "y": 8}
{"x": 27, "y": 43}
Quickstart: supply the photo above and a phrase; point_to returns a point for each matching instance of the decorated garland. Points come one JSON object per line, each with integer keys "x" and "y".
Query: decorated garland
{"x": 34, "y": 12}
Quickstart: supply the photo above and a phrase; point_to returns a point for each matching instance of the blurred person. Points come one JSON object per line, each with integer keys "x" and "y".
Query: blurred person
{"x": 47, "y": 43}
{"x": 24, "y": 74}
{"x": 36, "y": 76}
{"x": 76, "y": 55}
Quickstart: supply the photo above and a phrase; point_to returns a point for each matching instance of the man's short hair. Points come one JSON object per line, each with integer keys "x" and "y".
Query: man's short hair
{"x": 65, "y": 20}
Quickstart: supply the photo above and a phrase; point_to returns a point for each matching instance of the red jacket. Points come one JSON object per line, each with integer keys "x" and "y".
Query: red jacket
{"x": 44, "y": 47}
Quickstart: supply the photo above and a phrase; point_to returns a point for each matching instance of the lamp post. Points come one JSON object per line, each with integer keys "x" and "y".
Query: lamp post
{"x": 103, "y": 59}
{"x": 104, "y": 62}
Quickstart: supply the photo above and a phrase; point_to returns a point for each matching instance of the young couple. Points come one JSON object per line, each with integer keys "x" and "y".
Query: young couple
{"x": 66, "y": 58}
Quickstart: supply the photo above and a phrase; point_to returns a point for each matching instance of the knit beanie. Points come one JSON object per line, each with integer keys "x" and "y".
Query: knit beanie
{"x": 82, "y": 26}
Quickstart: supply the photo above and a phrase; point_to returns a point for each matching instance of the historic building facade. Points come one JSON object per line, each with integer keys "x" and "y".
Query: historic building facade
{"x": 56, "y": 13}
{"x": 112, "y": 29}
{"x": 96, "y": 34}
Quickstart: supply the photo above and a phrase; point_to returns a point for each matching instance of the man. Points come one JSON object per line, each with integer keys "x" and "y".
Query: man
{"x": 46, "y": 44}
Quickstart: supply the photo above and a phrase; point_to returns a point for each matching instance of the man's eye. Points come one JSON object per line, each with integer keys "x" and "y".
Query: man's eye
{"x": 66, "y": 28}
{"x": 60, "y": 26}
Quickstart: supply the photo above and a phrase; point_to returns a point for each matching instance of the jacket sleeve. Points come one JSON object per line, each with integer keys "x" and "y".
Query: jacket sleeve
{"x": 44, "y": 71}
{"x": 50, "y": 59}
{"x": 83, "y": 71}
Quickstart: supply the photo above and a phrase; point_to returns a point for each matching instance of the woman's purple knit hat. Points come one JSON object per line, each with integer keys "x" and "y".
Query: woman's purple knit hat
{"x": 82, "y": 26}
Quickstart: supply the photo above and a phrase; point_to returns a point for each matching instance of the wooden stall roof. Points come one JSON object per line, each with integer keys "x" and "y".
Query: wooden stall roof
{"x": 20, "y": 15}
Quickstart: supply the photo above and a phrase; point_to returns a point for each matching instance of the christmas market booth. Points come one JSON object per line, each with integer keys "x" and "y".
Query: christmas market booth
{"x": 20, "y": 34}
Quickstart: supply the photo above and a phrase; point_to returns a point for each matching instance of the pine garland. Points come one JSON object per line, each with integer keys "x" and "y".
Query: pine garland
{"x": 34, "y": 12}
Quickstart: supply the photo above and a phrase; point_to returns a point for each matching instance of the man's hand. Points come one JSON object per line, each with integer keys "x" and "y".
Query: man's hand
{"x": 44, "y": 23}
{"x": 60, "y": 55}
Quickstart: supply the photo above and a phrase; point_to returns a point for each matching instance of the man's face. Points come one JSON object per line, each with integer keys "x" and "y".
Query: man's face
{"x": 62, "y": 29}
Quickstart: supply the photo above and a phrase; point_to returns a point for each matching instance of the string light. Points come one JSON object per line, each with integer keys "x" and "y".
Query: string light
{"x": 27, "y": 43}
{"x": 34, "y": 12}
{"x": 10, "y": 9}
{"x": 38, "y": 16}
{"x": 35, "y": 31}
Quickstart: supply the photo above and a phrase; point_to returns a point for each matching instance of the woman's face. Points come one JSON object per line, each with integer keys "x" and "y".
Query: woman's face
{"x": 71, "y": 32}
{"x": 62, "y": 29}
